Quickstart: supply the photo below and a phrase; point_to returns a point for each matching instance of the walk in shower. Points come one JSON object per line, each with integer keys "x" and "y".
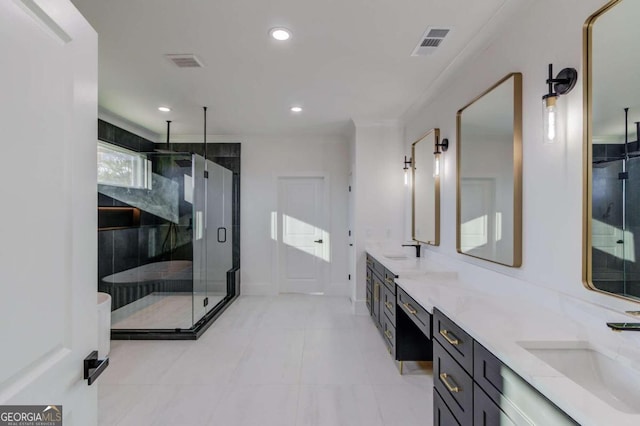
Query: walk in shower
{"x": 168, "y": 224}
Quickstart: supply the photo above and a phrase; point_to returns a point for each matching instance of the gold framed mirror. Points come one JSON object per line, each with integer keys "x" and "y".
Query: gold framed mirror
{"x": 425, "y": 200}
{"x": 489, "y": 183}
{"x": 611, "y": 220}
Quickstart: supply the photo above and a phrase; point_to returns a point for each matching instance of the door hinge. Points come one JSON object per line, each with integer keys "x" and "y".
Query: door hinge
{"x": 205, "y": 302}
{"x": 623, "y": 175}
{"x": 349, "y": 276}
{"x": 349, "y": 232}
{"x": 206, "y": 174}
{"x": 349, "y": 188}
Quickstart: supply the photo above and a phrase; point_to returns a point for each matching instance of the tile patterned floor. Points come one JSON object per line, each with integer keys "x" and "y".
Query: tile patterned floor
{"x": 284, "y": 360}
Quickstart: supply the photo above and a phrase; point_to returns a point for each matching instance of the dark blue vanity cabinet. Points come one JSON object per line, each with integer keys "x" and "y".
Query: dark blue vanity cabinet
{"x": 405, "y": 326}
{"x": 473, "y": 387}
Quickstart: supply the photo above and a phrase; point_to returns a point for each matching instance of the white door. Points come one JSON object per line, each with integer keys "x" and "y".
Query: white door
{"x": 48, "y": 220}
{"x": 303, "y": 239}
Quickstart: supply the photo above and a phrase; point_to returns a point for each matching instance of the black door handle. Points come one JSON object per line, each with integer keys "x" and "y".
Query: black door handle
{"x": 224, "y": 236}
{"x": 93, "y": 367}
{"x": 318, "y": 241}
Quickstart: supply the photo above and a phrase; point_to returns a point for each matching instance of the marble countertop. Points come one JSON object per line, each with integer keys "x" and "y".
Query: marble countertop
{"x": 500, "y": 321}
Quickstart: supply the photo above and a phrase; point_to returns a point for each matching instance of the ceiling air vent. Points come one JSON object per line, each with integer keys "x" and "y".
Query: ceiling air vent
{"x": 430, "y": 40}
{"x": 185, "y": 60}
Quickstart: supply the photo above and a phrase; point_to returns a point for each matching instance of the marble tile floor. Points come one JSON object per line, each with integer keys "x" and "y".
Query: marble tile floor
{"x": 282, "y": 360}
{"x": 162, "y": 310}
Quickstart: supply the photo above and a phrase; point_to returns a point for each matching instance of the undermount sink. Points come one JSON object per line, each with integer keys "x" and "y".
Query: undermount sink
{"x": 604, "y": 377}
{"x": 395, "y": 256}
{"x": 437, "y": 275}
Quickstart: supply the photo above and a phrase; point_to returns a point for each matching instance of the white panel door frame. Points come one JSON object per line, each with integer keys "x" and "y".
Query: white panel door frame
{"x": 48, "y": 261}
{"x": 276, "y": 228}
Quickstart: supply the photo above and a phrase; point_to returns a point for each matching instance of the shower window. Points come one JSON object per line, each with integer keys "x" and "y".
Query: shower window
{"x": 122, "y": 167}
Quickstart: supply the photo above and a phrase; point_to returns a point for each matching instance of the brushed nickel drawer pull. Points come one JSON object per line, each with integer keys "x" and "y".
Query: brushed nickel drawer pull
{"x": 410, "y": 308}
{"x": 453, "y": 340}
{"x": 388, "y": 334}
{"x": 388, "y": 305}
{"x": 444, "y": 377}
{"x": 389, "y": 280}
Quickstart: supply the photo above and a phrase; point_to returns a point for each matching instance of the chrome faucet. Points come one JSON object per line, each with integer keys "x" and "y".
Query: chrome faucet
{"x": 417, "y": 246}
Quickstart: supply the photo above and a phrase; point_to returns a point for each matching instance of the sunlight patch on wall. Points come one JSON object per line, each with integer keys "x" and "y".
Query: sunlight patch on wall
{"x": 605, "y": 238}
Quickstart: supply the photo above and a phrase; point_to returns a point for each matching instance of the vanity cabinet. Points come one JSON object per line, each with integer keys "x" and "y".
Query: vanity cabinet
{"x": 405, "y": 328}
{"x": 476, "y": 388}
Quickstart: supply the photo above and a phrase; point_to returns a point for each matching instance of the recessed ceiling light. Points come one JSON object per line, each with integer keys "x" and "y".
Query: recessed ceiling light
{"x": 296, "y": 109}
{"x": 280, "y": 33}
{"x": 164, "y": 109}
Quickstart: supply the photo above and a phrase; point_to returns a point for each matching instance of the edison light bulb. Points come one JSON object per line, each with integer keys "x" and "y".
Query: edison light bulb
{"x": 549, "y": 111}
{"x": 436, "y": 165}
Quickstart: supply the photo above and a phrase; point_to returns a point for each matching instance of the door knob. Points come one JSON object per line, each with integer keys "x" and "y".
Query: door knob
{"x": 318, "y": 241}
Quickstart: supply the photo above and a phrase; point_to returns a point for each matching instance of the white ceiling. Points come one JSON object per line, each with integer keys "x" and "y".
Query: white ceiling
{"x": 347, "y": 59}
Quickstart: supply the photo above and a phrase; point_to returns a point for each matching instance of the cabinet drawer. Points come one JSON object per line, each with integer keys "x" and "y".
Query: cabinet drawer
{"x": 375, "y": 266}
{"x": 390, "y": 281}
{"x": 454, "y": 339}
{"x": 442, "y": 416}
{"x": 389, "y": 305}
{"x": 487, "y": 413}
{"x": 498, "y": 383}
{"x": 417, "y": 313}
{"x": 389, "y": 332}
{"x": 454, "y": 384}
{"x": 488, "y": 372}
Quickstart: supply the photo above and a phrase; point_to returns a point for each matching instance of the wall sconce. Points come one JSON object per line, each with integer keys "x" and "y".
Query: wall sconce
{"x": 562, "y": 84}
{"x": 407, "y": 165}
{"x": 437, "y": 154}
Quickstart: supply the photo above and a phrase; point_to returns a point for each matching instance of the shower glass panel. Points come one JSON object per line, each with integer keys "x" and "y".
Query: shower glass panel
{"x": 166, "y": 248}
{"x": 199, "y": 238}
{"x": 145, "y": 246}
{"x": 219, "y": 232}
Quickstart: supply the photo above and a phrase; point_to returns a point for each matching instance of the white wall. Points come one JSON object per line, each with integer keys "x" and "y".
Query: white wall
{"x": 378, "y": 182}
{"x": 542, "y": 32}
{"x": 263, "y": 160}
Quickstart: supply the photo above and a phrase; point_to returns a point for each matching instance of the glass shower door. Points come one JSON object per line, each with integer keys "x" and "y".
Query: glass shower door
{"x": 608, "y": 226}
{"x": 219, "y": 232}
{"x": 199, "y": 238}
{"x": 632, "y": 229}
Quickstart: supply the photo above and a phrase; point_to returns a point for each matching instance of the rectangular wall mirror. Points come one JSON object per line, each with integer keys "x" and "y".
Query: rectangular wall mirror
{"x": 489, "y": 204}
{"x": 612, "y": 147}
{"x": 426, "y": 189}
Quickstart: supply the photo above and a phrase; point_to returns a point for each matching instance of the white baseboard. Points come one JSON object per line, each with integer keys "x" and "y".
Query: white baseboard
{"x": 258, "y": 289}
{"x": 336, "y": 289}
{"x": 359, "y": 307}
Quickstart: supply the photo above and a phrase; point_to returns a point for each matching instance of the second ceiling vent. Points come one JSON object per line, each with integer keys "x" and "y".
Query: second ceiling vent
{"x": 187, "y": 60}
{"x": 430, "y": 41}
